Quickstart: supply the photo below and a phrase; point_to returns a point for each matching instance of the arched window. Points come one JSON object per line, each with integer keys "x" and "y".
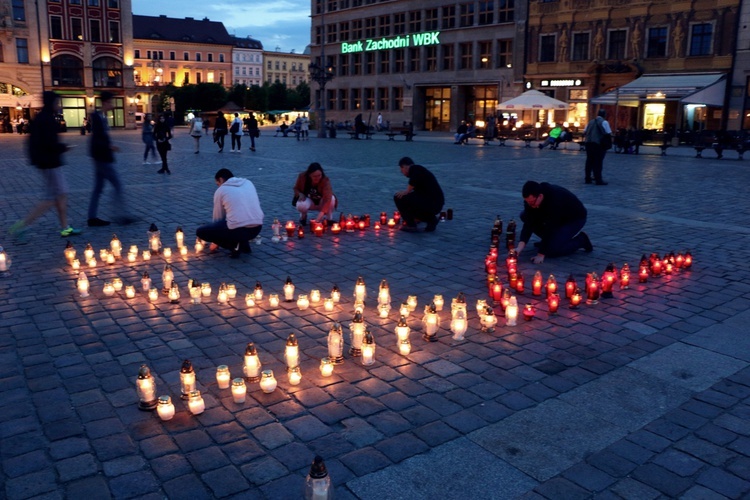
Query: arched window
{"x": 107, "y": 72}
{"x": 67, "y": 71}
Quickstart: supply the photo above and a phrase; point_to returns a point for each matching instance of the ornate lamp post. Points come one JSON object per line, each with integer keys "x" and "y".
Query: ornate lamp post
{"x": 321, "y": 74}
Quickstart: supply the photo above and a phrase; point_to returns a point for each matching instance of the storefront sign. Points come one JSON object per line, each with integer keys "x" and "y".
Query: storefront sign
{"x": 414, "y": 40}
{"x": 577, "y": 82}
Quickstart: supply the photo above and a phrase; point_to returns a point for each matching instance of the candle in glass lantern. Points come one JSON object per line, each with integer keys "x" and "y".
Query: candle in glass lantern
{"x": 349, "y": 224}
{"x": 116, "y": 245}
{"x": 328, "y": 304}
{"x": 496, "y": 292}
{"x": 404, "y": 310}
{"x": 570, "y": 286}
{"x": 431, "y": 322}
{"x": 318, "y": 229}
{"x": 336, "y": 344}
{"x": 303, "y": 302}
{"x": 383, "y": 310}
{"x": 625, "y": 276}
{"x": 384, "y": 293}
{"x": 490, "y": 266}
{"x": 183, "y": 252}
{"x": 75, "y": 263}
{"x": 133, "y": 249}
{"x": 656, "y": 266}
{"x": 146, "y": 389}
{"x": 196, "y": 405}
{"x": 519, "y": 283}
{"x": 288, "y": 290}
{"x": 529, "y": 312}
{"x": 153, "y": 295}
{"x": 488, "y": 320}
{"x": 357, "y": 333}
{"x": 221, "y": 295}
{"x": 206, "y": 289}
{"x": 199, "y": 245}
{"x": 273, "y": 300}
{"x": 391, "y": 223}
{"x": 592, "y": 290}
{"x": 688, "y": 260}
{"x": 167, "y": 276}
{"x": 336, "y": 294}
{"x": 505, "y": 300}
{"x": 167, "y": 252}
{"x": 174, "y": 294}
{"x": 609, "y": 277}
{"x": 165, "y": 408}
{"x": 459, "y": 325}
{"x": 576, "y": 298}
{"x": 368, "y": 349}
{"x": 326, "y": 367}
{"x": 103, "y": 254}
{"x": 108, "y": 289}
{"x": 361, "y": 224}
{"x": 513, "y": 280}
{"x": 70, "y": 251}
{"x": 511, "y": 312}
{"x": 195, "y": 293}
{"x": 252, "y": 366}
{"x": 679, "y": 260}
{"x": 291, "y": 352}
{"x": 553, "y": 303}
{"x": 132, "y": 257}
{"x": 359, "y": 306}
{"x": 481, "y": 304}
{"x": 130, "y": 291}
{"x": 179, "y": 237}
{"x": 397, "y": 216}
{"x": 314, "y": 296}
{"x": 290, "y": 227}
{"x": 360, "y": 291}
{"x": 383, "y": 218}
{"x": 187, "y": 379}
{"x": 223, "y": 378}
{"x": 110, "y": 258}
{"x": 335, "y": 228}
{"x": 258, "y": 291}
{"x": 439, "y": 302}
{"x": 276, "y": 230}
{"x": 239, "y": 390}
{"x": 668, "y": 268}
{"x": 402, "y": 329}
{"x": 411, "y": 302}
{"x": 643, "y": 273}
{"x": 295, "y": 375}
{"x": 536, "y": 284}
{"x": 551, "y": 286}
{"x": 268, "y": 382}
{"x": 88, "y": 252}
{"x": 300, "y": 232}
{"x": 117, "y": 284}
{"x": 154, "y": 238}
{"x": 249, "y": 300}
{"x": 146, "y": 255}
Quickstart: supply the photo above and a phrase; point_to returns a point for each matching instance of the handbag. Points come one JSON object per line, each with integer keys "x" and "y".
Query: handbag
{"x": 295, "y": 200}
{"x": 606, "y": 141}
{"x": 169, "y": 146}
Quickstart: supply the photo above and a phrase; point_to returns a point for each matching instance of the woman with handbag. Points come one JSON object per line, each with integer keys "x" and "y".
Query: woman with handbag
{"x": 598, "y": 137}
{"x": 162, "y": 135}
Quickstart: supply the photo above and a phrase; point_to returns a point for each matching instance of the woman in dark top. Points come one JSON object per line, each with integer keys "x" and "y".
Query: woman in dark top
{"x": 162, "y": 134}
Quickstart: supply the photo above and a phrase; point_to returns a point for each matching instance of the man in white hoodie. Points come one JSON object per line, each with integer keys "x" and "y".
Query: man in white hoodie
{"x": 237, "y": 218}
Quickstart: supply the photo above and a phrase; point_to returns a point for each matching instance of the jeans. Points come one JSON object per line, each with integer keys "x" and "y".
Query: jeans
{"x": 149, "y": 147}
{"x": 559, "y": 240}
{"x": 594, "y": 161}
{"x": 414, "y": 206}
{"x": 218, "y": 232}
{"x": 236, "y": 139}
{"x": 104, "y": 171}
{"x": 305, "y": 206}
{"x": 162, "y": 148}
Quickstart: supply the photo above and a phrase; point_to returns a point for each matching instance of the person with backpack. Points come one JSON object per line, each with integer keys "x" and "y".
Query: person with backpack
{"x": 236, "y": 130}
{"x": 220, "y": 130}
{"x": 147, "y": 135}
{"x": 163, "y": 135}
{"x": 252, "y": 130}
{"x": 196, "y": 131}
{"x": 598, "y": 137}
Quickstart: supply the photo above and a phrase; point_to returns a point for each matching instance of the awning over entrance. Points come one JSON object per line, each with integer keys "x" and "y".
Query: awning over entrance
{"x": 698, "y": 88}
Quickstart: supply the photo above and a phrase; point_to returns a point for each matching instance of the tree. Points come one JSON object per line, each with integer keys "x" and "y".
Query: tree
{"x": 203, "y": 96}
{"x": 257, "y": 98}
{"x": 238, "y": 95}
{"x": 277, "y": 96}
{"x": 299, "y": 97}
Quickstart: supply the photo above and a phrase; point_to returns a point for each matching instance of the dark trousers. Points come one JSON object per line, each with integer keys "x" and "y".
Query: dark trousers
{"x": 414, "y": 206}
{"x": 594, "y": 161}
{"x": 559, "y": 240}
{"x": 236, "y": 139}
{"x": 161, "y": 147}
{"x": 218, "y": 232}
{"x": 149, "y": 147}
{"x": 252, "y": 139}
{"x": 220, "y": 140}
{"x": 104, "y": 171}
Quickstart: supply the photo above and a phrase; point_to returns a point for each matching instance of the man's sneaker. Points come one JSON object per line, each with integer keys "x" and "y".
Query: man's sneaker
{"x": 95, "y": 222}
{"x": 19, "y": 232}
{"x": 303, "y": 221}
{"x": 431, "y": 225}
{"x": 69, "y": 231}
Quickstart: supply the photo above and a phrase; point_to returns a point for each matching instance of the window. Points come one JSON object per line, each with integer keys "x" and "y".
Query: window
{"x": 221, "y": 58}
{"x": 369, "y": 63}
{"x": 415, "y": 21}
{"x": 369, "y": 98}
{"x": 701, "y": 36}
{"x": 357, "y": 64}
{"x": 95, "y": 30}
{"x": 467, "y": 14}
{"x": 580, "y": 47}
{"x": 22, "y": 50}
{"x": 74, "y": 2}
{"x": 617, "y": 44}
{"x": 67, "y": 71}
{"x": 399, "y": 23}
{"x": 172, "y": 56}
{"x": 504, "y": 53}
{"x": 186, "y": 56}
{"x": 414, "y": 59}
{"x": 449, "y": 16}
{"x": 382, "y": 98}
{"x": 343, "y": 99}
{"x": 398, "y": 61}
{"x": 76, "y": 28}
{"x": 370, "y": 27}
{"x": 114, "y": 32}
{"x": 486, "y": 10}
{"x": 93, "y": 3}
{"x": 198, "y": 76}
{"x": 137, "y": 53}
{"x": 210, "y": 57}
{"x": 197, "y": 56}
{"x": 2, "y": 53}
{"x": 19, "y": 10}
{"x": 385, "y": 62}
{"x": 384, "y": 26}
{"x": 657, "y": 42}
{"x": 431, "y": 57}
{"x": 547, "y": 48}
{"x": 448, "y": 57}
{"x": 398, "y": 98}
{"x": 186, "y": 78}
{"x": 466, "y": 55}
{"x": 485, "y": 55}
{"x": 505, "y": 11}
{"x": 356, "y": 29}
{"x": 55, "y": 27}
{"x": 356, "y": 99}
{"x": 344, "y": 31}
{"x": 107, "y": 72}
{"x": 283, "y": 65}
{"x": 113, "y": 4}
{"x": 430, "y": 20}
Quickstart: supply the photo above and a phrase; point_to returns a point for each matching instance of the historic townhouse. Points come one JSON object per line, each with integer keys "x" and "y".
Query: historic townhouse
{"x": 247, "y": 62}
{"x": 288, "y": 68}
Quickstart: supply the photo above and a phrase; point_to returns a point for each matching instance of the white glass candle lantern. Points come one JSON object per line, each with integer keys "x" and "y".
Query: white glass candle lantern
{"x": 70, "y": 253}
{"x": 167, "y": 252}
{"x": 318, "y": 483}
{"x": 383, "y": 310}
{"x": 198, "y": 245}
{"x": 206, "y": 289}
{"x": 511, "y": 312}
{"x": 183, "y": 252}
{"x": 268, "y": 382}
{"x": 403, "y": 310}
{"x": 291, "y": 352}
{"x": 231, "y": 291}
{"x": 83, "y": 284}
{"x": 196, "y": 405}
{"x": 258, "y": 291}
{"x": 459, "y": 325}
{"x": 179, "y": 237}
{"x": 249, "y": 300}
{"x": 116, "y": 246}
{"x": 103, "y": 254}
{"x": 167, "y": 277}
{"x": 368, "y": 349}
{"x": 314, "y": 296}
{"x": 88, "y": 252}
{"x": 356, "y": 333}
{"x": 187, "y": 379}
{"x": 92, "y": 263}
{"x": 165, "y": 408}
{"x": 295, "y": 375}
{"x": 154, "y": 239}
{"x": 145, "y": 282}
{"x": 411, "y": 302}
{"x": 288, "y": 290}
{"x": 146, "y": 255}
{"x": 221, "y": 295}
{"x": 133, "y": 249}
{"x": 402, "y": 329}
{"x": 360, "y": 291}
{"x": 384, "y": 293}
{"x": 458, "y": 303}
{"x": 75, "y": 263}
{"x": 117, "y": 284}
{"x": 153, "y": 295}
{"x": 326, "y": 367}
{"x": 223, "y": 378}
{"x": 130, "y": 291}
{"x": 431, "y": 322}
{"x": 404, "y": 347}
{"x": 359, "y": 306}
{"x": 481, "y": 304}
{"x": 174, "y": 294}
{"x": 336, "y": 344}
{"x": 273, "y": 300}
{"x": 195, "y": 294}
{"x": 251, "y": 366}
{"x": 110, "y": 258}
{"x": 239, "y": 390}
{"x": 439, "y": 302}
{"x": 108, "y": 289}
{"x": 132, "y": 257}
{"x": 303, "y": 302}
{"x": 328, "y": 304}
{"x": 488, "y": 320}
{"x": 336, "y": 294}
{"x": 146, "y": 389}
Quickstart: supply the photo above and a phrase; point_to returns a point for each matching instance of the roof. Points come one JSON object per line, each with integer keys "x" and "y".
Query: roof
{"x": 665, "y": 87}
{"x": 187, "y": 30}
{"x": 247, "y": 43}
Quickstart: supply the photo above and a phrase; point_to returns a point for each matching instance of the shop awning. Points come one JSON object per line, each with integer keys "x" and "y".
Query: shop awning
{"x": 697, "y": 88}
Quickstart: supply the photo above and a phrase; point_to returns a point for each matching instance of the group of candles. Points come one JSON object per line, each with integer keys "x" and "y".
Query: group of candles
{"x": 594, "y": 289}
{"x": 4, "y": 261}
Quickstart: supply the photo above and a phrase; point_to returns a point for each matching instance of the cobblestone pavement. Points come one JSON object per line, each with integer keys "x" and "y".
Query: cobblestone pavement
{"x": 645, "y": 395}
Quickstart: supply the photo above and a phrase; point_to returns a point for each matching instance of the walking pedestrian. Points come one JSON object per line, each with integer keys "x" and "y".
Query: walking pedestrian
{"x": 102, "y": 151}
{"x": 253, "y": 130}
{"x": 147, "y": 135}
{"x": 45, "y": 153}
{"x": 305, "y": 128}
{"x": 196, "y": 131}
{"x": 220, "y": 130}
{"x": 597, "y": 135}
{"x": 236, "y": 130}
{"x": 163, "y": 135}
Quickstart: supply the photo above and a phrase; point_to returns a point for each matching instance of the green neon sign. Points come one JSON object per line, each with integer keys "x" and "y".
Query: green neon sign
{"x": 398, "y": 42}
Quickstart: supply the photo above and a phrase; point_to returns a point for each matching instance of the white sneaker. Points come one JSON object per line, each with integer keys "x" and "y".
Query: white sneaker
{"x": 147, "y": 163}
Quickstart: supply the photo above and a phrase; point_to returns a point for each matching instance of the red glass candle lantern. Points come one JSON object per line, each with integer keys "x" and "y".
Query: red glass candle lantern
{"x": 367, "y": 220}
{"x": 608, "y": 282}
{"x": 551, "y": 286}
{"x": 511, "y": 262}
{"x": 335, "y": 228}
{"x": 391, "y": 223}
{"x": 290, "y": 228}
{"x": 529, "y": 312}
{"x": 505, "y": 299}
{"x": 656, "y": 266}
{"x": 383, "y": 218}
{"x": 349, "y": 224}
{"x": 519, "y": 284}
{"x": 397, "y": 216}
{"x": 301, "y": 232}
{"x": 679, "y": 260}
{"x": 643, "y": 273}
{"x": 575, "y": 298}
{"x": 570, "y": 286}
{"x": 592, "y": 289}
{"x": 553, "y": 302}
{"x": 513, "y": 280}
{"x": 625, "y": 277}
{"x": 688, "y": 260}
{"x": 491, "y": 279}
{"x": 491, "y": 267}
{"x": 493, "y": 252}
{"x": 496, "y": 292}
{"x": 318, "y": 229}
{"x": 536, "y": 284}
{"x": 361, "y": 224}
{"x": 376, "y": 226}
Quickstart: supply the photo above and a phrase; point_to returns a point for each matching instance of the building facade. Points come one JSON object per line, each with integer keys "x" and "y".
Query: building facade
{"x": 178, "y": 52}
{"x": 432, "y": 63}
{"x": 247, "y": 62}
{"x": 288, "y": 68}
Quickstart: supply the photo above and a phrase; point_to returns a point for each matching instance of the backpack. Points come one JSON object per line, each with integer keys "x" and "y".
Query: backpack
{"x": 234, "y": 128}
{"x": 197, "y": 127}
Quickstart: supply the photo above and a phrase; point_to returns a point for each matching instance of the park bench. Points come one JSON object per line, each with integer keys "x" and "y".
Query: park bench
{"x": 355, "y": 135}
{"x": 405, "y": 131}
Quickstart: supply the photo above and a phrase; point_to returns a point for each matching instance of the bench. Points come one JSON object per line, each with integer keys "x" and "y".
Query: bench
{"x": 705, "y": 139}
{"x": 355, "y": 135}
{"x": 737, "y": 141}
{"x": 406, "y": 132}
